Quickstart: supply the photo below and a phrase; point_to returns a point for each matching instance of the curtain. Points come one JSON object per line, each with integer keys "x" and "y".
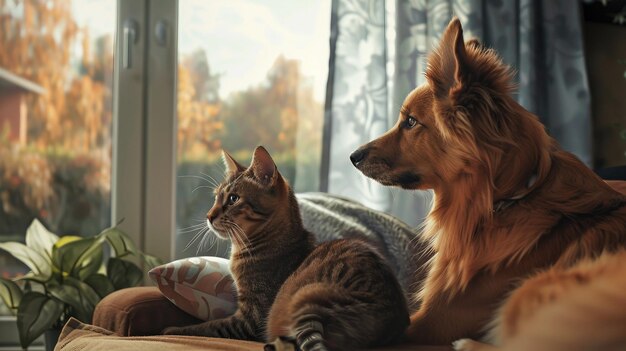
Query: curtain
{"x": 378, "y": 55}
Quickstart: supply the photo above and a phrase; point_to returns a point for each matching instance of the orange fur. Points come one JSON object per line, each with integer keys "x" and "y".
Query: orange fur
{"x": 508, "y": 201}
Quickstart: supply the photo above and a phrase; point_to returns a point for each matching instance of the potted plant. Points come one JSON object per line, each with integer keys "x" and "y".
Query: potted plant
{"x": 68, "y": 277}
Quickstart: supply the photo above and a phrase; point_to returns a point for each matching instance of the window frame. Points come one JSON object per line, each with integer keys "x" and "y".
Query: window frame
{"x": 144, "y": 130}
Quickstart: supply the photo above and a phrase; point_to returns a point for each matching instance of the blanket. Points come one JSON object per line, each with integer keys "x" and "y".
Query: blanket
{"x": 331, "y": 217}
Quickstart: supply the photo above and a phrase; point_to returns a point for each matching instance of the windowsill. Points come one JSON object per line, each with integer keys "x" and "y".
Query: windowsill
{"x": 9, "y": 337}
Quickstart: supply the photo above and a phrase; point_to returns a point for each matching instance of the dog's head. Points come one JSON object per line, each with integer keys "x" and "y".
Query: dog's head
{"x": 461, "y": 122}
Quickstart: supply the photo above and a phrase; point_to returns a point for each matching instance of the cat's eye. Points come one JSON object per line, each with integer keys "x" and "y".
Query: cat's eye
{"x": 232, "y": 198}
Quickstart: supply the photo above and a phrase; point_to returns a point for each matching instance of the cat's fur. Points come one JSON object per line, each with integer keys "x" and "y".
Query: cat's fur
{"x": 338, "y": 295}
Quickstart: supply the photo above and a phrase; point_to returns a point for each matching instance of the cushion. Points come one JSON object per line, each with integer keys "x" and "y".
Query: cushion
{"x": 77, "y": 336}
{"x": 139, "y": 311}
{"x": 200, "y": 286}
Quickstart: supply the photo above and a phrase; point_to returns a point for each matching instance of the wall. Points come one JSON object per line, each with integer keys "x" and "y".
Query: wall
{"x": 605, "y": 49}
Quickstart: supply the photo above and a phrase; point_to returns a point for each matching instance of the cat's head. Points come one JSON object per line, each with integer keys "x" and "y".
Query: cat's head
{"x": 248, "y": 198}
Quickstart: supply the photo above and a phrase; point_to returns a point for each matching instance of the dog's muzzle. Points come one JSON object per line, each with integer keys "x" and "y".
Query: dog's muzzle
{"x": 358, "y": 156}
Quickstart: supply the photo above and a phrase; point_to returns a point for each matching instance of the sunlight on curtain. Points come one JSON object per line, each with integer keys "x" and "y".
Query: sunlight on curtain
{"x": 379, "y": 57}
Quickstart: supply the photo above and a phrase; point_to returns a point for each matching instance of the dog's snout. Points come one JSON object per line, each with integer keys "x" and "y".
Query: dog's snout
{"x": 358, "y": 156}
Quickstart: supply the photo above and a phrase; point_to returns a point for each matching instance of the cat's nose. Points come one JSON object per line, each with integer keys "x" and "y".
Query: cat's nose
{"x": 358, "y": 156}
{"x": 211, "y": 217}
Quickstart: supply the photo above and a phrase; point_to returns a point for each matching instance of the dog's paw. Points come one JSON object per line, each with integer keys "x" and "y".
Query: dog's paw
{"x": 471, "y": 345}
{"x": 281, "y": 344}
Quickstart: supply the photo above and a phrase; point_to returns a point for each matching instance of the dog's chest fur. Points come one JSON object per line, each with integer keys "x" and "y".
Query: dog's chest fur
{"x": 536, "y": 232}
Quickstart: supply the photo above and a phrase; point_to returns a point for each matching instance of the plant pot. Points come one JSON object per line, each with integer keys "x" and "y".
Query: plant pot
{"x": 51, "y": 336}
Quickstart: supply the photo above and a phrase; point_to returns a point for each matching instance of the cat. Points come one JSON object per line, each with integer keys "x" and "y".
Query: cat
{"x": 292, "y": 292}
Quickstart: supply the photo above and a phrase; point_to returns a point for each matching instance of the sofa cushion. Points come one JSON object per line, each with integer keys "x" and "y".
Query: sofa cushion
{"x": 77, "y": 336}
{"x": 200, "y": 286}
{"x": 139, "y": 311}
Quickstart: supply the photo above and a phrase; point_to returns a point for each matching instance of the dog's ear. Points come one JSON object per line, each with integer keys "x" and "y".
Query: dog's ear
{"x": 446, "y": 62}
{"x": 473, "y": 43}
{"x": 232, "y": 166}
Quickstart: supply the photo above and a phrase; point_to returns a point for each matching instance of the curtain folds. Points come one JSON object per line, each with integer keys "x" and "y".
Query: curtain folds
{"x": 378, "y": 51}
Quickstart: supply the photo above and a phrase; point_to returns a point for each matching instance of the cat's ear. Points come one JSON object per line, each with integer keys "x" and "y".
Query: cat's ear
{"x": 232, "y": 166}
{"x": 263, "y": 167}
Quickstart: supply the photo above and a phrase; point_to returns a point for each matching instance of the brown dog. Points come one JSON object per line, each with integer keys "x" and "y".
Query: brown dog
{"x": 508, "y": 203}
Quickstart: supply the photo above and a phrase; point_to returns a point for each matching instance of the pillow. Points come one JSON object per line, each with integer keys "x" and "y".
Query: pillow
{"x": 200, "y": 286}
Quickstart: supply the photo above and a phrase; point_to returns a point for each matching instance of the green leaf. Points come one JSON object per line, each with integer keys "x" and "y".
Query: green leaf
{"x": 70, "y": 295}
{"x": 120, "y": 242}
{"x": 11, "y": 294}
{"x": 38, "y": 263}
{"x": 40, "y": 239}
{"x": 79, "y": 258}
{"x": 38, "y": 278}
{"x": 100, "y": 284}
{"x": 86, "y": 291}
{"x": 80, "y": 296}
{"x": 151, "y": 261}
{"x": 123, "y": 274}
{"x": 36, "y": 314}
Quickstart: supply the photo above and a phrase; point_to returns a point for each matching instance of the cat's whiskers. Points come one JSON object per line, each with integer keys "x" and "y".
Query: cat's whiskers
{"x": 243, "y": 234}
{"x": 214, "y": 182}
{"x": 212, "y": 187}
{"x": 191, "y": 228}
{"x": 244, "y": 237}
{"x": 198, "y": 177}
{"x": 237, "y": 233}
{"x": 206, "y": 237}
{"x": 199, "y": 234}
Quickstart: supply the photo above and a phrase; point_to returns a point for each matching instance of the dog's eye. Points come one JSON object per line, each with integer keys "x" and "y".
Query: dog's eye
{"x": 232, "y": 198}
{"x": 411, "y": 122}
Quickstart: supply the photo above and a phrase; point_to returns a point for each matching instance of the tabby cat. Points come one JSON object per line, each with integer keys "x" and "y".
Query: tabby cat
{"x": 338, "y": 295}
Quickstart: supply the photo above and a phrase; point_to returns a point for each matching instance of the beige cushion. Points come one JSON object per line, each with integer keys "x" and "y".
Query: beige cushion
{"x": 200, "y": 286}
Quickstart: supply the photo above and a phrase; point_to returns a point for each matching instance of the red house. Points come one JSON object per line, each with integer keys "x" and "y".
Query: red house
{"x": 13, "y": 109}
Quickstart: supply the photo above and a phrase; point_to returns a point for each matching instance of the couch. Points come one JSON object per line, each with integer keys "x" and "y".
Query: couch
{"x": 131, "y": 319}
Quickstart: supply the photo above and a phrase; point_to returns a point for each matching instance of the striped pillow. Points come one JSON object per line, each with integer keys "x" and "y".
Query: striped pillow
{"x": 200, "y": 286}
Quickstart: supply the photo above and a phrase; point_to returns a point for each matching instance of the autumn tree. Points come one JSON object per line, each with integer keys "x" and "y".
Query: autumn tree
{"x": 198, "y": 109}
{"x": 273, "y": 112}
{"x": 66, "y": 166}
{"x": 37, "y": 38}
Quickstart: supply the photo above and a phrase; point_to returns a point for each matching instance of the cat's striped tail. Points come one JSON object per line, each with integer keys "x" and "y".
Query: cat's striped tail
{"x": 308, "y": 335}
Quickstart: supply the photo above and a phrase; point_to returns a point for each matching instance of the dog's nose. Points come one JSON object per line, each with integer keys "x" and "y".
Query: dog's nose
{"x": 358, "y": 156}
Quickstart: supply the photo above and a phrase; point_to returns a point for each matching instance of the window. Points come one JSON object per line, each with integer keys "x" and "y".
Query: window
{"x": 56, "y": 72}
{"x": 87, "y": 136}
{"x": 268, "y": 89}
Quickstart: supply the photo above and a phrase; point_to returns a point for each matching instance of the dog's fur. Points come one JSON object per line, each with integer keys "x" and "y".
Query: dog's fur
{"x": 509, "y": 203}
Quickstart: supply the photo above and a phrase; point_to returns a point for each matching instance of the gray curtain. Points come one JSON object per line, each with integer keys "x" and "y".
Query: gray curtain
{"x": 378, "y": 51}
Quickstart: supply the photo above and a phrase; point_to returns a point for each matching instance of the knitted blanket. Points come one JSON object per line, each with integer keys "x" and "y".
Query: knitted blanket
{"x": 331, "y": 217}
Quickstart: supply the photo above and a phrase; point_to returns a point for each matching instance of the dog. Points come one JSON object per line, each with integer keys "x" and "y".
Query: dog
{"x": 517, "y": 224}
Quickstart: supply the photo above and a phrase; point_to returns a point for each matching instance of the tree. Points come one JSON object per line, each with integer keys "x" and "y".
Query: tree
{"x": 199, "y": 126}
{"x": 273, "y": 112}
{"x": 37, "y": 38}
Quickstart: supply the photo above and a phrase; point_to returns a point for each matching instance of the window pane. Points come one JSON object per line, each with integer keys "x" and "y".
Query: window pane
{"x": 250, "y": 73}
{"x": 56, "y": 64}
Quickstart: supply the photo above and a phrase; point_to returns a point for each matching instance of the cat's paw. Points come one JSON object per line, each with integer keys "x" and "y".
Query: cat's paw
{"x": 281, "y": 344}
{"x": 172, "y": 331}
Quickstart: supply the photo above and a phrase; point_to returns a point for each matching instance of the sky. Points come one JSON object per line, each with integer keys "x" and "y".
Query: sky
{"x": 242, "y": 38}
